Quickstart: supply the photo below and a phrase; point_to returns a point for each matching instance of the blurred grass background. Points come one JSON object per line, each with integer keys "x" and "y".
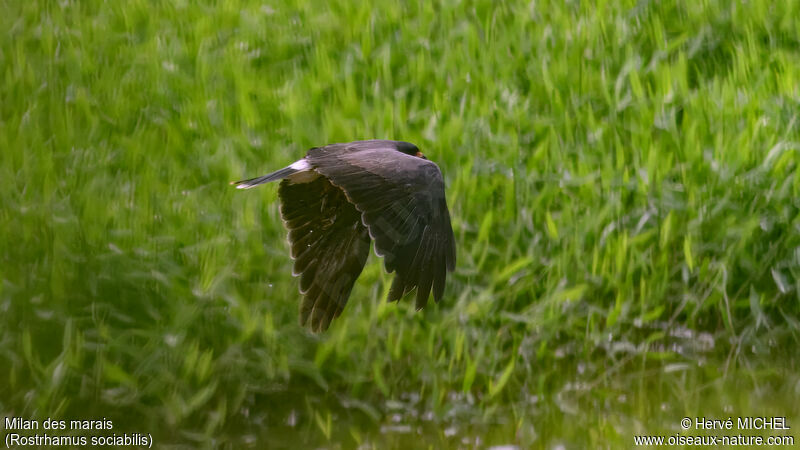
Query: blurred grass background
{"x": 623, "y": 180}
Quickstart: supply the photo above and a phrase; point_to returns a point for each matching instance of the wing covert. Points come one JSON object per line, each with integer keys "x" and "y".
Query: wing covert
{"x": 402, "y": 203}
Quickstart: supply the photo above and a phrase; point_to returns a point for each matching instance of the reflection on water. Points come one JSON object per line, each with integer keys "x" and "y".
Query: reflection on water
{"x": 627, "y": 388}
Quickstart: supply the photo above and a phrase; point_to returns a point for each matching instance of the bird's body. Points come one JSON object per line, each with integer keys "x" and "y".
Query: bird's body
{"x": 339, "y": 197}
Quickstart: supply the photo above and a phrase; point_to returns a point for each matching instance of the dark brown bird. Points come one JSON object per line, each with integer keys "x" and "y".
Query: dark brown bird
{"x": 341, "y": 195}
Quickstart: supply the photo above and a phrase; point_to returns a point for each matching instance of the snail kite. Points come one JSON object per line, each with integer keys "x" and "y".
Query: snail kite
{"x": 341, "y": 195}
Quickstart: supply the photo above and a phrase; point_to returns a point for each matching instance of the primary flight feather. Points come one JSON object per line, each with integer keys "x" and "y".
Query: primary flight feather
{"x": 339, "y": 197}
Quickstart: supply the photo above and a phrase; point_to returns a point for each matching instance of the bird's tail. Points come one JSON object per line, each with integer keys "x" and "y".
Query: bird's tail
{"x": 299, "y": 166}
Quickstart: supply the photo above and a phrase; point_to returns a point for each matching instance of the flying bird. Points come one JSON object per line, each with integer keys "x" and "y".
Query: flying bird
{"x": 338, "y": 197}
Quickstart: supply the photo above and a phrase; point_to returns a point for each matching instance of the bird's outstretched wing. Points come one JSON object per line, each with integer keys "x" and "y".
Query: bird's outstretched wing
{"x": 329, "y": 246}
{"x": 402, "y": 202}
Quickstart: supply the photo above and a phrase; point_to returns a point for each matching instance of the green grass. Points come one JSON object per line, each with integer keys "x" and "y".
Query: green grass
{"x": 622, "y": 176}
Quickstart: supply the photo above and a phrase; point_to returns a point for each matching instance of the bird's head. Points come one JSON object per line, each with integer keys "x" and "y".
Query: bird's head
{"x": 409, "y": 149}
